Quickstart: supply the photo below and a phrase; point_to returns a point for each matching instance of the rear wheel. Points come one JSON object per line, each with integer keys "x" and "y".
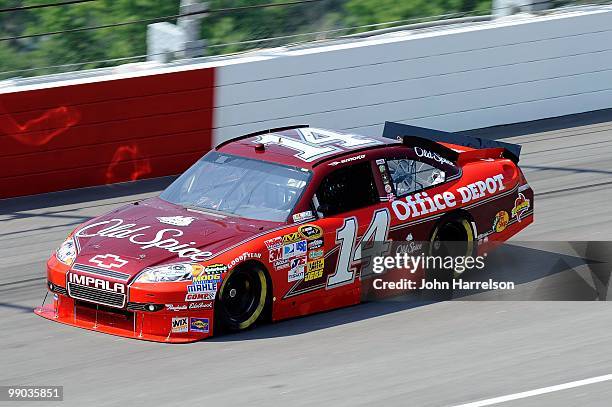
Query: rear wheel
{"x": 453, "y": 237}
{"x": 242, "y": 298}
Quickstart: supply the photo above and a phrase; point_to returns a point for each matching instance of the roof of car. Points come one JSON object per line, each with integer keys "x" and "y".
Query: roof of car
{"x": 301, "y": 146}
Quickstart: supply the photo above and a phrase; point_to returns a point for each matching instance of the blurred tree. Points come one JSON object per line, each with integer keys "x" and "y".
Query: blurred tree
{"x": 217, "y": 28}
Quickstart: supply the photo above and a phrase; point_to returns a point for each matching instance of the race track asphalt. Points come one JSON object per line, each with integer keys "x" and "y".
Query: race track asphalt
{"x": 379, "y": 353}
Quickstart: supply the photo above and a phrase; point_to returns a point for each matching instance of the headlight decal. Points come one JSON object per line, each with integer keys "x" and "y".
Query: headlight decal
{"x": 169, "y": 273}
{"x": 67, "y": 252}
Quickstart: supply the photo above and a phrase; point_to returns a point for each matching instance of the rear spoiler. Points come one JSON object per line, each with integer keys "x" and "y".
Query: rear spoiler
{"x": 429, "y": 138}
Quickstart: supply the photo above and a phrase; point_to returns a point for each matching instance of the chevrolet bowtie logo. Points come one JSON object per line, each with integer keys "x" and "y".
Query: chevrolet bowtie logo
{"x": 108, "y": 261}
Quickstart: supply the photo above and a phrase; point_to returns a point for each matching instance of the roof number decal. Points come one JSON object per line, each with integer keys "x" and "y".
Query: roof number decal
{"x": 314, "y": 144}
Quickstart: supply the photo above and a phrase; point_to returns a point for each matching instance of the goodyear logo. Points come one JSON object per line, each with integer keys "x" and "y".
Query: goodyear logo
{"x": 310, "y": 232}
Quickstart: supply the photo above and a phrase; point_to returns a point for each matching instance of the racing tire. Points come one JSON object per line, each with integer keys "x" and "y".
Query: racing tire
{"x": 453, "y": 236}
{"x": 242, "y": 299}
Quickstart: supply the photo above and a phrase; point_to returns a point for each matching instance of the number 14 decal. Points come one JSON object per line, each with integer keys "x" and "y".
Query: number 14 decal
{"x": 351, "y": 252}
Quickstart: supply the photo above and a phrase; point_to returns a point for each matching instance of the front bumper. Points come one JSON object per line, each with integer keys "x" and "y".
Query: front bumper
{"x": 173, "y": 320}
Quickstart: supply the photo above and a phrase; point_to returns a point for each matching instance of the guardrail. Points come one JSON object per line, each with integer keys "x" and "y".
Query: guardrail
{"x": 128, "y": 124}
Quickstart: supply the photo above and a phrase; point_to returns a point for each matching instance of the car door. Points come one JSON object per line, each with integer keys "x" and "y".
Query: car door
{"x": 349, "y": 208}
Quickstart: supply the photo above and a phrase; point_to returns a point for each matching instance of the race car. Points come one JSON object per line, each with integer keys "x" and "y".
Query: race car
{"x": 268, "y": 226}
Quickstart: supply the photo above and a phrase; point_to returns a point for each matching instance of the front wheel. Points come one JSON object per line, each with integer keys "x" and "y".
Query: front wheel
{"x": 241, "y": 299}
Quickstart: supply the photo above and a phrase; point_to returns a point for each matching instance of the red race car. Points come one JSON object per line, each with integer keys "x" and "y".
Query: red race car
{"x": 269, "y": 225}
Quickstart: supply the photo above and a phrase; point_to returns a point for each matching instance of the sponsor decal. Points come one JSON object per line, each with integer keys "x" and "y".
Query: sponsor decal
{"x": 164, "y": 239}
{"x": 244, "y": 256}
{"x": 292, "y": 237}
{"x": 521, "y": 205}
{"x": 180, "y": 324}
{"x": 203, "y": 296}
{"x": 196, "y": 269}
{"x": 316, "y": 265}
{"x": 347, "y": 160}
{"x": 409, "y": 247}
{"x": 274, "y": 243}
{"x": 202, "y": 287}
{"x": 209, "y": 277}
{"x": 177, "y": 220}
{"x": 421, "y": 152}
{"x": 380, "y": 161}
{"x": 386, "y": 182}
{"x": 480, "y": 189}
{"x": 201, "y": 305}
{"x": 199, "y": 325}
{"x": 108, "y": 261}
{"x": 275, "y": 254}
{"x": 296, "y": 271}
{"x": 310, "y": 232}
{"x": 281, "y": 264}
{"x": 315, "y": 244}
{"x": 93, "y": 282}
{"x": 501, "y": 221}
{"x": 216, "y": 268}
{"x": 295, "y": 249}
{"x": 303, "y": 216}
{"x": 420, "y": 203}
{"x": 315, "y": 254}
{"x": 315, "y": 269}
{"x": 174, "y": 307}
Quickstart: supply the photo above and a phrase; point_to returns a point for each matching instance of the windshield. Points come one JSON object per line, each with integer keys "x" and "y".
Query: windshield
{"x": 239, "y": 186}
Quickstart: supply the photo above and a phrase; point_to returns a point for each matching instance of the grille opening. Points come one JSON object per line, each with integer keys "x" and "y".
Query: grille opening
{"x": 97, "y": 296}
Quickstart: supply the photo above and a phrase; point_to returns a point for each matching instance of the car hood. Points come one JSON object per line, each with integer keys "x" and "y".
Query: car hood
{"x": 154, "y": 232}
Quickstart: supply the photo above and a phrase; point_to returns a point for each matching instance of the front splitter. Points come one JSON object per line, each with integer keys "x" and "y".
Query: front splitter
{"x": 50, "y": 312}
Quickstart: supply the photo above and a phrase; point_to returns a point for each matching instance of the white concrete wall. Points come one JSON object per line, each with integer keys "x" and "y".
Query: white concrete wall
{"x": 451, "y": 79}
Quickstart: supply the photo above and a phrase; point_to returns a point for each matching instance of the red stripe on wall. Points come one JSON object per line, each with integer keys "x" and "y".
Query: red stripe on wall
{"x": 104, "y": 132}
